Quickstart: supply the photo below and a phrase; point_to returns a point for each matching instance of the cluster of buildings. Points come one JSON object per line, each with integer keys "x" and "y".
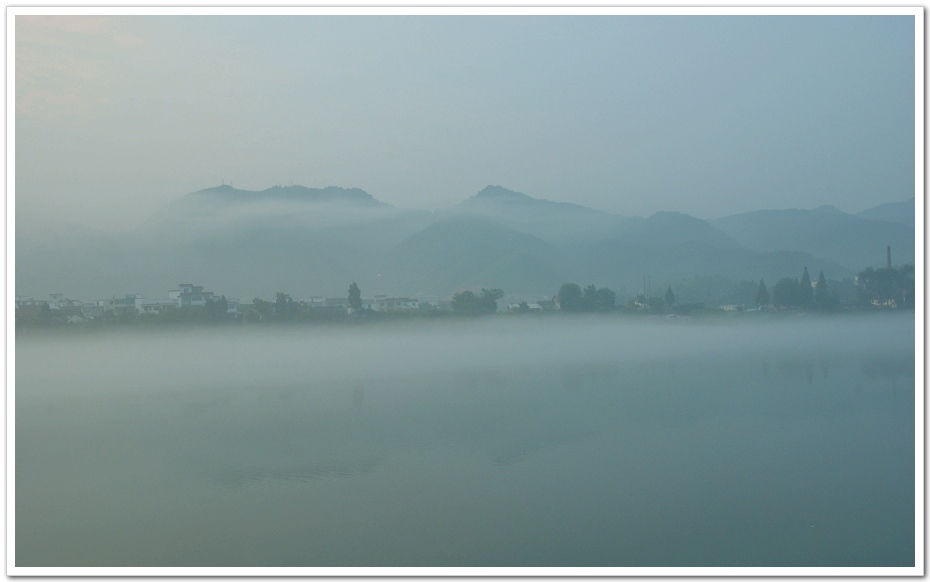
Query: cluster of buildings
{"x": 188, "y": 296}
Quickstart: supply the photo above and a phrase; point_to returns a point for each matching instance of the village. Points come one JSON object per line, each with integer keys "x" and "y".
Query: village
{"x": 887, "y": 288}
{"x": 193, "y": 297}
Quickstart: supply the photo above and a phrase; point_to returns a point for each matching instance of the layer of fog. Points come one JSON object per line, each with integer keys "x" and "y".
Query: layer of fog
{"x": 240, "y": 356}
{"x": 302, "y": 440}
{"x": 197, "y": 218}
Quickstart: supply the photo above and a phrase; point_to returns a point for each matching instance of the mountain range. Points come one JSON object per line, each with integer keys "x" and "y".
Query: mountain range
{"x": 315, "y": 241}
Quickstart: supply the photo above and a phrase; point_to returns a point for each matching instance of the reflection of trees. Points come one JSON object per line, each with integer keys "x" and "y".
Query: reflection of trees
{"x": 798, "y": 366}
{"x": 824, "y": 362}
{"x": 888, "y": 367}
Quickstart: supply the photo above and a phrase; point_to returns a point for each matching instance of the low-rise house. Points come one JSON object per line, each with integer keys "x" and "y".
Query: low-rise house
{"x": 128, "y": 302}
{"x": 151, "y": 306}
{"x": 92, "y": 310}
{"x": 397, "y": 304}
{"x": 23, "y": 301}
{"x": 531, "y": 306}
{"x": 59, "y": 301}
{"x": 190, "y": 295}
{"x": 336, "y": 302}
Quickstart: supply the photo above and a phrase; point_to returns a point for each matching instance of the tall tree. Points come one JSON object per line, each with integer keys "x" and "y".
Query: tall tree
{"x": 487, "y": 301}
{"x": 886, "y": 287}
{"x": 806, "y": 291}
{"x": 762, "y": 295}
{"x": 669, "y": 296}
{"x": 786, "y": 292}
{"x": 355, "y": 297}
{"x": 822, "y": 297}
{"x": 605, "y": 299}
{"x": 284, "y": 307}
{"x": 569, "y": 297}
{"x": 215, "y": 309}
{"x": 589, "y": 298}
{"x": 465, "y": 302}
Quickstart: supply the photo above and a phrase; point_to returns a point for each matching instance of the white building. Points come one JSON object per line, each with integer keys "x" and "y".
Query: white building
{"x": 59, "y": 301}
{"x": 190, "y": 295}
{"x": 154, "y": 305}
{"x": 396, "y": 304}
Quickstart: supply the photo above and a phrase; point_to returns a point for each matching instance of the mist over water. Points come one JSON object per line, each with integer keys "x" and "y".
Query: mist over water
{"x": 500, "y": 442}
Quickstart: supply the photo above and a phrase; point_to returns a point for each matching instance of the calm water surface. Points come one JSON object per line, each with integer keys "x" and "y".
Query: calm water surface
{"x": 506, "y": 442}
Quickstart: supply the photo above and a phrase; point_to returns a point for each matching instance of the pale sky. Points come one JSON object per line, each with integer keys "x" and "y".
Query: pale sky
{"x": 708, "y": 115}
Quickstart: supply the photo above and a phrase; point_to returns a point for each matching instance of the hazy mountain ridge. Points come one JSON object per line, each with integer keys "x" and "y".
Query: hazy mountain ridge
{"x": 664, "y": 229}
{"x": 557, "y": 223}
{"x": 467, "y": 251}
{"x": 227, "y": 194}
{"x": 900, "y": 212}
{"x": 307, "y": 241}
{"x": 206, "y": 211}
{"x": 824, "y": 232}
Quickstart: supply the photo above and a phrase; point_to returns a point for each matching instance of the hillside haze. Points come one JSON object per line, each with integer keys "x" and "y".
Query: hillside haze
{"x": 825, "y": 232}
{"x": 315, "y": 241}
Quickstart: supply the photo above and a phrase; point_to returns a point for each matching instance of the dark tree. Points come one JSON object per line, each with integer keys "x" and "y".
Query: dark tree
{"x": 284, "y": 308}
{"x": 786, "y": 292}
{"x": 823, "y": 299}
{"x": 669, "y": 296}
{"x": 569, "y": 297}
{"x": 264, "y": 309}
{"x": 887, "y": 287}
{"x": 605, "y": 300}
{"x": 355, "y": 297}
{"x": 467, "y": 303}
{"x": 487, "y": 302}
{"x": 762, "y": 295}
{"x": 805, "y": 291}
{"x": 215, "y": 309}
{"x": 589, "y": 298}
{"x": 523, "y": 307}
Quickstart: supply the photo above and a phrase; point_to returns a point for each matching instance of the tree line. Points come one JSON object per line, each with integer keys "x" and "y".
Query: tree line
{"x": 881, "y": 288}
{"x": 572, "y": 298}
{"x": 876, "y": 288}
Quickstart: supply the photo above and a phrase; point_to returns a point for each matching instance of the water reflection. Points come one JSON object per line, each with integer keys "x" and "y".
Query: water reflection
{"x": 616, "y": 457}
{"x": 887, "y": 368}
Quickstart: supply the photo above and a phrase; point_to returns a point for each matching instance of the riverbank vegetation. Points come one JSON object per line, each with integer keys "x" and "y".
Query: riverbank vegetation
{"x": 876, "y": 289}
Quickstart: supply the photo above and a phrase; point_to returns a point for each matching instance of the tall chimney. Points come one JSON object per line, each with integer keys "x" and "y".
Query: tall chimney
{"x": 889, "y": 256}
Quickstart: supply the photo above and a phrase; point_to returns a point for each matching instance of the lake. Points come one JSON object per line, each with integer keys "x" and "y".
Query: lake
{"x": 510, "y": 441}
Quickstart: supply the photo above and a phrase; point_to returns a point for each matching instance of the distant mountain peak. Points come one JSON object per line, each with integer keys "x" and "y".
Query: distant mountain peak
{"x": 292, "y": 193}
{"x": 500, "y": 197}
{"x": 500, "y": 192}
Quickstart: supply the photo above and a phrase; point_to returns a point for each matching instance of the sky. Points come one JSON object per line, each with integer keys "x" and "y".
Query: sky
{"x": 709, "y": 115}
